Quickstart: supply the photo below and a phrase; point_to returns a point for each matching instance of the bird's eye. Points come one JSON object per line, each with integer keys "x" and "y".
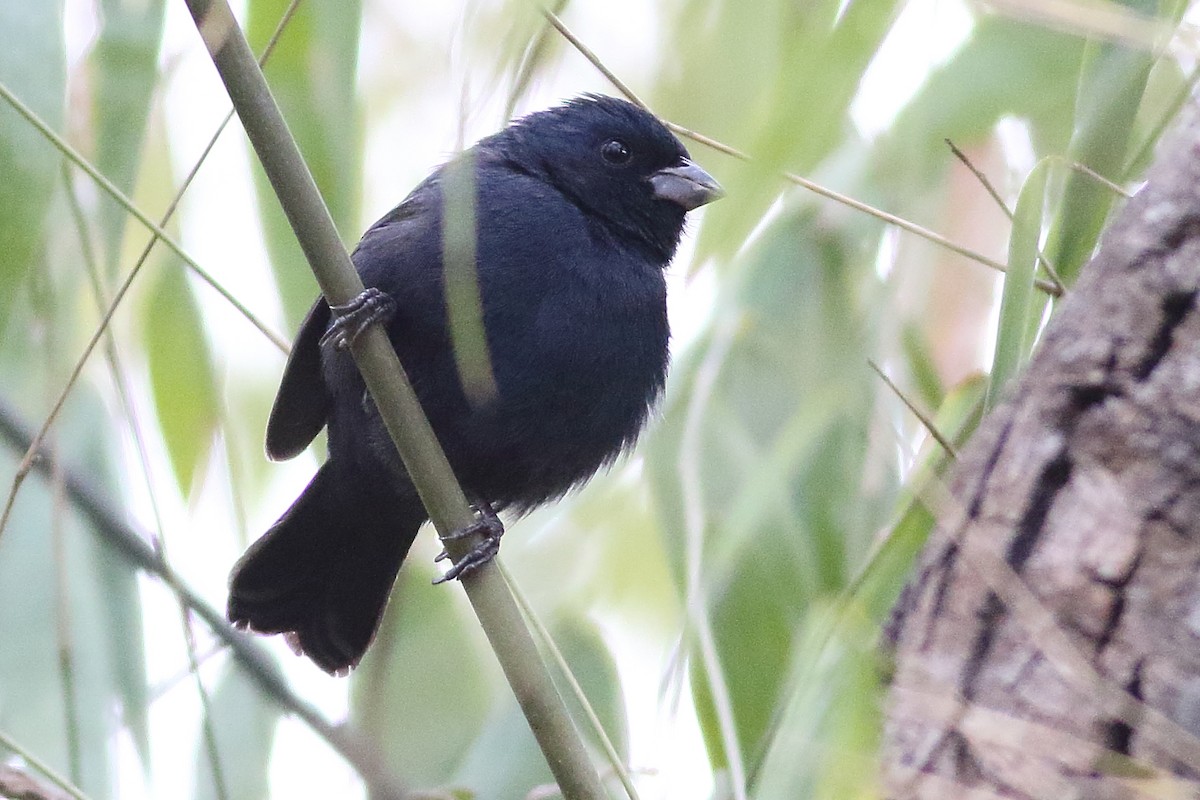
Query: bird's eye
{"x": 615, "y": 152}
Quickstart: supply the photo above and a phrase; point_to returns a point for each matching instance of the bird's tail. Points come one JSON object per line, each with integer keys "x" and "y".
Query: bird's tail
{"x": 323, "y": 572}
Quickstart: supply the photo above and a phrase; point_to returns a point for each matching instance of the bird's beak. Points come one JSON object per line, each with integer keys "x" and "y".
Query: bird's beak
{"x": 686, "y": 185}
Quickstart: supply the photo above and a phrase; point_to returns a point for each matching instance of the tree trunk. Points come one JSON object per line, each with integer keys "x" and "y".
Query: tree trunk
{"x": 1048, "y": 645}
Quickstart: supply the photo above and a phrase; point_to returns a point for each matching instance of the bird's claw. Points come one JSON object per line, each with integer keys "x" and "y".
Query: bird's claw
{"x": 486, "y": 524}
{"x": 351, "y": 319}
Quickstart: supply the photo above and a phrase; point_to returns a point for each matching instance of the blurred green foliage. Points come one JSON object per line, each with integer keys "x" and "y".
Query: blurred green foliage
{"x": 746, "y": 556}
{"x": 312, "y": 75}
{"x": 30, "y": 34}
{"x": 181, "y": 371}
{"x": 124, "y": 61}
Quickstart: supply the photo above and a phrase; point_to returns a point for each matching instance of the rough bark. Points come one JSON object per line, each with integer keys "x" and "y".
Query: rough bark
{"x": 1049, "y": 643}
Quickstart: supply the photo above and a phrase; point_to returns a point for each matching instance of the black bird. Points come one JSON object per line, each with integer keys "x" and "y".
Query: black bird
{"x": 578, "y": 211}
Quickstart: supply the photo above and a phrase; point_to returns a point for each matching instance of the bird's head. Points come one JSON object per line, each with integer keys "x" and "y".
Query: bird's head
{"x": 618, "y": 163}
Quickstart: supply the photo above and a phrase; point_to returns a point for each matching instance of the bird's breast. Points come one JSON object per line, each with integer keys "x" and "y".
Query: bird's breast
{"x": 603, "y": 338}
{"x": 577, "y": 373}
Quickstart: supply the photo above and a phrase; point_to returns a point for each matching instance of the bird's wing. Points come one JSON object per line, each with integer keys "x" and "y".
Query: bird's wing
{"x": 302, "y": 403}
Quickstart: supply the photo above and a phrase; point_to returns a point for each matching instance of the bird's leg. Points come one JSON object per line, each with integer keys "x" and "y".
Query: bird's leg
{"x": 351, "y": 319}
{"x": 487, "y": 524}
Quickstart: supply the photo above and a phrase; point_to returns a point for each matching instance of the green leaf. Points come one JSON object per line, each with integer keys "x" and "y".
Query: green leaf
{"x": 1014, "y": 339}
{"x": 878, "y": 584}
{"x": 504, "y": 761}
{"x": 121, "y": 602}
{"x": 830, "y": 722}
{"x": 124, "y": 62}
{"x": 312, "y": 75}
{"x": 243, "y": 722}
{"x": 595, "y": 670}
{"x": 1167, "y": 91}
{"x": 464, "y": 305}
{"x": 32, "y": 66}
{"x": 752, "y": 620}
{"x": 181, "y": 371}
{"x": 1112, "y": 83}
{"x": 919, "y": 359}
{"x": 398, "y": 693}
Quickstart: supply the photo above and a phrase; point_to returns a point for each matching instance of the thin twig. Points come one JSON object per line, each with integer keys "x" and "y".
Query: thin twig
{"x": 208, "y": 728}
{"x": 158, "y": 691}
{"x": 924, "y": 418}
{"x": 63, "y": 627}
{"x": 1112, "y": 186}
{"x": 983, "y": 179}
{"x": 591, "y": 56}
{"x": 1082, "y": 169}
{"x": 986, "y": 183}
{"x": 41, "y": 766}
{"x": 533, "y": 54}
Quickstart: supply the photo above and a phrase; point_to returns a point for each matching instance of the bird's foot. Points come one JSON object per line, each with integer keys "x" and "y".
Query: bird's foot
{"x": 351, "y": 319}
{"x": 487, "y": 524}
